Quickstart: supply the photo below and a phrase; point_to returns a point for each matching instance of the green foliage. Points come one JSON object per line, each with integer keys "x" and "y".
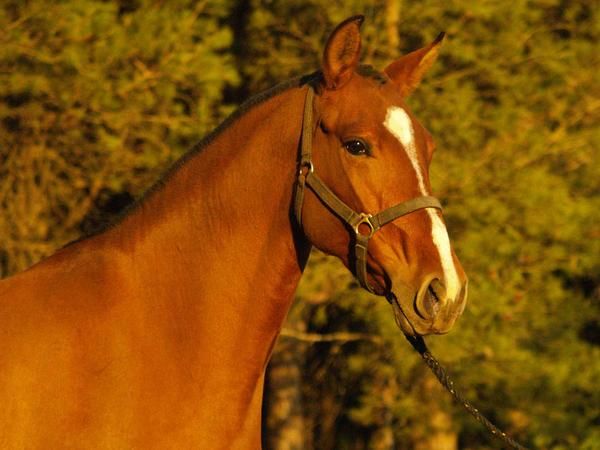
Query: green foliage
{"x": 97, "y": 97}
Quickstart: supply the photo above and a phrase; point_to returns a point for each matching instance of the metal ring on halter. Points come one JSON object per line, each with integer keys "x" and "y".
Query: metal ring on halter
{"x": 306, "y": 165}
{"x": 364, "y": 218}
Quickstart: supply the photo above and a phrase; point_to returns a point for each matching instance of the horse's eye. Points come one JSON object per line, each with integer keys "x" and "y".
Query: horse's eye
{"x": 357, "y": 147}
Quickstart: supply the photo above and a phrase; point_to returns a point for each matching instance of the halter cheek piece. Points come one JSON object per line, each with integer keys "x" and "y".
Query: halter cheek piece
{"x": 359, "y": 222}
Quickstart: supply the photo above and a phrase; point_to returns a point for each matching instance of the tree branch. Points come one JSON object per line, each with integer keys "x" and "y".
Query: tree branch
{"x": 329, "y": 337}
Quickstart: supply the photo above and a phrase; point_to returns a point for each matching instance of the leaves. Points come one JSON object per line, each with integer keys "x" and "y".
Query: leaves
{"x": 111, "y": 97}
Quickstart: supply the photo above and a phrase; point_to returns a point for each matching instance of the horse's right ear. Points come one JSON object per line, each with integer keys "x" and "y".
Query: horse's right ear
{"x": 342, "y": 53}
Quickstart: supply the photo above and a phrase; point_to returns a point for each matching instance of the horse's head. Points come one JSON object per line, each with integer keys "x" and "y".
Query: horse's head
{"x": 372, "y": 153}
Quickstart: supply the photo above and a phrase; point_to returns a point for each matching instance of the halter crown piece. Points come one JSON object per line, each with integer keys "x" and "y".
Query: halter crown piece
{"x": 358, "y": 222}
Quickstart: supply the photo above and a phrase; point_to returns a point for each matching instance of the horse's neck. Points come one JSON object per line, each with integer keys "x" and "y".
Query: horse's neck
{"x": 215, "y": 246}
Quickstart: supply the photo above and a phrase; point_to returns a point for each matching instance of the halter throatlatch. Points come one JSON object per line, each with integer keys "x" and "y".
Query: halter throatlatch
{"x": 364, "y": 225}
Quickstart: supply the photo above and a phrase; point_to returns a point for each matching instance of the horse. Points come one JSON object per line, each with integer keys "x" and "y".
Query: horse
{"x": 156, "y": 332}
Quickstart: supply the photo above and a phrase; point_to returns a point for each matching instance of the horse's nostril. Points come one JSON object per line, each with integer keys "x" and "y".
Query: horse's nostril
{"x": 438, "y": 289}
{"x": 429, "y": 299}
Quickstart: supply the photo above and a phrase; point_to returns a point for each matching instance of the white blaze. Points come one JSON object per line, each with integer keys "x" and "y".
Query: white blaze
{"x": 399, "y": 124}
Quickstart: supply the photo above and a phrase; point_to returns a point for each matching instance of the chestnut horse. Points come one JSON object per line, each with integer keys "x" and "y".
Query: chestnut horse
{"x": 155, "y": 333}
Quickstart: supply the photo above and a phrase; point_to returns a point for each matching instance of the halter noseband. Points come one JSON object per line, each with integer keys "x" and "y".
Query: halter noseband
{"x": 307, "y": 176}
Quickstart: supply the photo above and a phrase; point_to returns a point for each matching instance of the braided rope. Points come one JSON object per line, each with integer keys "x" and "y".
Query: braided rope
{"x": 419, "y": 345}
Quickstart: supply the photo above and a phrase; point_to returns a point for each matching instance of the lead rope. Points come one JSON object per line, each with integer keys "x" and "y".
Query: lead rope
{"x": 418, "y": 343}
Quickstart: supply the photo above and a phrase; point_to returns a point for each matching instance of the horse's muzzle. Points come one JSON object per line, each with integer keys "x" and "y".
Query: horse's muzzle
{"x": 434, "y": 306}
{"x": 429, "y": 310}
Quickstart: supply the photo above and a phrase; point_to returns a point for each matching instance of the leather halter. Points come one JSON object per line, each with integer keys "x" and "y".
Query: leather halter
{"x": 357, "y": 221}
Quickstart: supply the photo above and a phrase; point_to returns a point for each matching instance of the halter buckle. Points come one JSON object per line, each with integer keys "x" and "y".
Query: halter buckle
{"x": 364, "y": 218}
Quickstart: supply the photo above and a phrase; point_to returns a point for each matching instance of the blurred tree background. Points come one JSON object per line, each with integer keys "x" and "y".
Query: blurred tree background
{"x": 97, "y": 98}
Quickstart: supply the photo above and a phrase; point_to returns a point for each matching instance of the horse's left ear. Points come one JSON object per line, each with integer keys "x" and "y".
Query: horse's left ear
{"x": 408, "y": 71}
{"x": 342, "y": 53}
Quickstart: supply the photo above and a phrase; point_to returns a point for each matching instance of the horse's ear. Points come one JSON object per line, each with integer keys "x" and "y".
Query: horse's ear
{"x": 408, "y": 71}
{"x": 342, "y": 52}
